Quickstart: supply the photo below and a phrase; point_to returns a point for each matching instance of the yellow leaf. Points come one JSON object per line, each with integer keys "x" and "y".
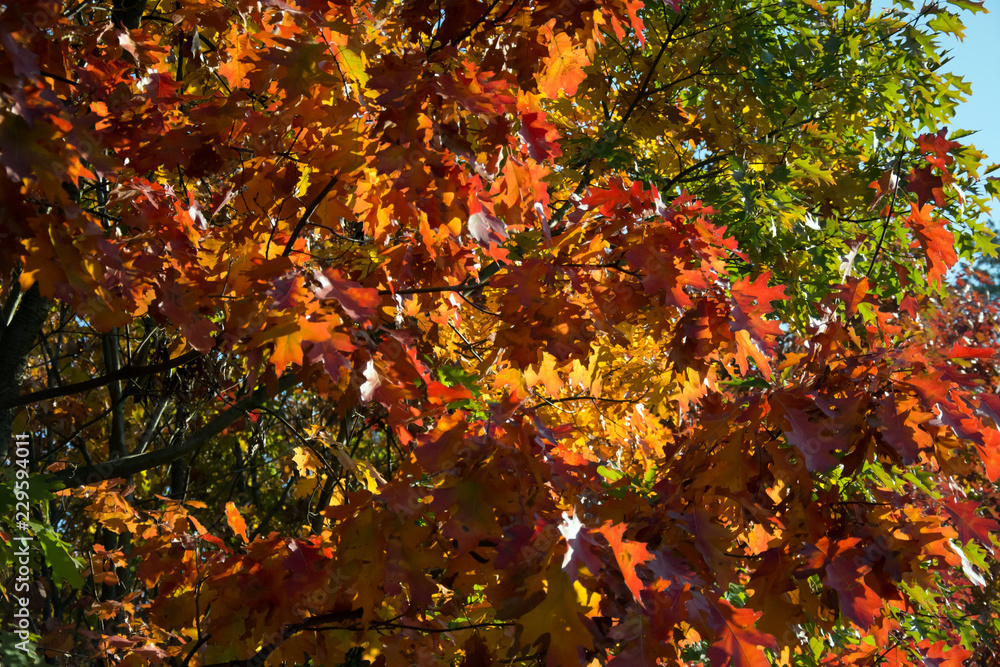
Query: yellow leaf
{"x": 303, "y": 183}
{"x": 546, "y": 374}
{"x": 306, "y": 461}
{"x": 369, "y": 476}
{"x": 514, "y": 381}
{"x": 561, "y": 616}
{"x": 352, "y": 64}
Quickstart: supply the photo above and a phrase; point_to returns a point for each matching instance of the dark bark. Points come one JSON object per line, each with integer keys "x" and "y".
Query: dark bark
{"x": 178, "y": 479}
{"x": 127, "y": 13}
{"x": 324, "y": 500}
{"x": 15, "y": 345}
{"x": 112, "y": 365}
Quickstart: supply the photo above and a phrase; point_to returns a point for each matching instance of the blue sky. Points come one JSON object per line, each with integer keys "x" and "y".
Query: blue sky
{"x": 977, "y": 60}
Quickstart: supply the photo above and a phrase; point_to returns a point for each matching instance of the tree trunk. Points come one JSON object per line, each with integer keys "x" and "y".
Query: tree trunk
{"x": 18, "y": 338}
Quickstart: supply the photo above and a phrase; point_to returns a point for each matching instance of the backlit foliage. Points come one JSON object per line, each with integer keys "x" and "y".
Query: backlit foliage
{"x": 482, "y": 332}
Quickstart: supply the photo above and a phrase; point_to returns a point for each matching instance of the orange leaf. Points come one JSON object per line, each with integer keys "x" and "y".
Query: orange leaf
{"x": 754, "y": 335}
{"x": 563, "y": 67}
{"x": 936, "y": 241}
{"x": 236, "y": 521}
{"x": 288, "y": 340}
{"x": 629, "y": 555}
{"x": 739, "y": 643}
{"x": 853, "y": 295}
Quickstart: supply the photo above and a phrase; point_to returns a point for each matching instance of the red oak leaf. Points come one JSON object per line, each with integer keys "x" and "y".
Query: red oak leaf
{"x": 815, "y": 439}
{"x": 540, "y": 136}
{"x": 926, "y": 185}
{"x": 487, "y": 229}
{"x": 900, "y": 426}
{"x": 739, "y": 644}
{"x": 883, "y": 187}
{"x": 629, "y": 555}
{"x": 580, "y": 547}
{"x": 936, "y": 241}
{"x": 751, "y": 301}
{"x": 360, "y": 303}
{"x": 858, "y": 602}
{"x": 968, "y": 524}
{"x": 937, "y": 143}
{"x": 946, "y": 654}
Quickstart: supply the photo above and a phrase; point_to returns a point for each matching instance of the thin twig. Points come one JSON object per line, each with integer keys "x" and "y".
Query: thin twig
{"x": 888, "y": 214}
{"x": 305, "y": 216}
{"x": 460, "y": 289}
{"x": 466, "y": 341}
{"x": 125, "y": 373}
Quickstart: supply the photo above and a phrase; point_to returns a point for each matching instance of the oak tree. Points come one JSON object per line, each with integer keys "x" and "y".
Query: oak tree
{"x": 598, "y": 332}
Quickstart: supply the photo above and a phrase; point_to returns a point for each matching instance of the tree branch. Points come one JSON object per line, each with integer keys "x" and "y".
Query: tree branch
{"x": 308, "y": 213}
{"x": 461, "y": 289}
{"x": 116, "y": 445}
{"x": 130, "y": 465}
{"x": 125, "y": 373}
{"x": 888, "y": 213}
{"x": 260, "y": 657}
{"x": 325, "y": 621}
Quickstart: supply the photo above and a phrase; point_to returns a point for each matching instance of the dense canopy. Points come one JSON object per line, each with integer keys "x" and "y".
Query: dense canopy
{"x": 494, "y": 332}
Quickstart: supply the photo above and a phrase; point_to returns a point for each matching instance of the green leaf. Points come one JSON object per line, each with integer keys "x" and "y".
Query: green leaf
{"x": 40, "y": 489}
{"x": 12, "y": 656}
{"x": 969, "y": 5}
{"x": 609, "y": 474}
{"x": 649, "y": 478}
{"x": 746, "y": 383}
{"x": 57, "y": 555}
{"x": 455, "y": 375}
{"x": 947, "y": 23}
